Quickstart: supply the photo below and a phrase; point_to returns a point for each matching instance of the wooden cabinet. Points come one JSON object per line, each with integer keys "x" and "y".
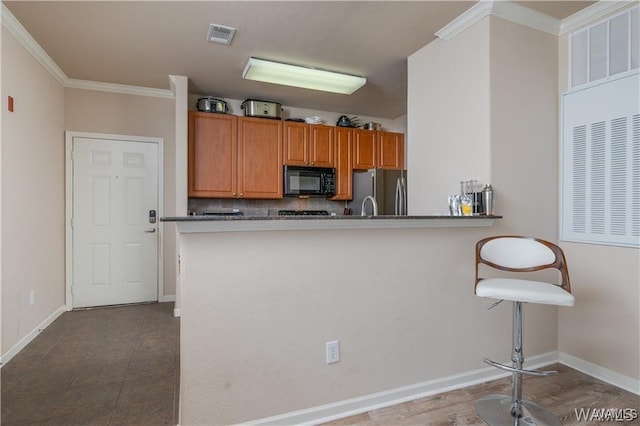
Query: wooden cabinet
{"x": 242, "y": 157}
{"x": 379, "y": 149}
{"x": 308, "y": 144}
{"x": 234, "y": 157}
{"x": 212, "y": 155}
{"x": 365, "y": 143}
{"x": 344, "y": 163}
{"x": 390, "y": 150}
{"x": 259, "y": 158}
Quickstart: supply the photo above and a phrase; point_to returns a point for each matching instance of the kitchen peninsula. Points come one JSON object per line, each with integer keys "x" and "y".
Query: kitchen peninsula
{"x": 260, "y": 296}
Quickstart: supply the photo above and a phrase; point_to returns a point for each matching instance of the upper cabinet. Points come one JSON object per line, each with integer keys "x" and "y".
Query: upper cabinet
{"x": 377, "y": 149}
{"x": 234, "y": 157}
{"x": 213, "y": 155}
{"x": 344, "y": 163}
{"x": 364, "y": 149}
{"x": 308, "y": 144}
{"x": 242, "y": 157}
{"x": 260, "y": 158}
{"x": 390, "y": 150}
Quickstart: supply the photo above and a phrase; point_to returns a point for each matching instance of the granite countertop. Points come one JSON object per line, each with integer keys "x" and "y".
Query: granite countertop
{"x": 199, "y": 224}
{"x": 208, "y": 218}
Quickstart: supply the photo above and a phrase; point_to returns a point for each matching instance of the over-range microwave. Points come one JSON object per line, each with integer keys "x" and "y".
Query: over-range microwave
{"x": 309, "y": 181}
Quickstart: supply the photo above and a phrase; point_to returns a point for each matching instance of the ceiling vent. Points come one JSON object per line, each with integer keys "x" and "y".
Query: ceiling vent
{"x": 220, "y": 34}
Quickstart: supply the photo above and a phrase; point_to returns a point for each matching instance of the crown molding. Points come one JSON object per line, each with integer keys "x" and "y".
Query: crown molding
{"x": 592, "y": 13}
{"x": 522, "y": 15}
{"x": 507, "y": 10}
{"x": 31, "y": 45}
{"x": 466, "y": 20}
{"x": 73, "y": 83}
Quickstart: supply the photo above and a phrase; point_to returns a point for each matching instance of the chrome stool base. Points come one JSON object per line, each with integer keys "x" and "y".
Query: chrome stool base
{"x": 495, "y": 410}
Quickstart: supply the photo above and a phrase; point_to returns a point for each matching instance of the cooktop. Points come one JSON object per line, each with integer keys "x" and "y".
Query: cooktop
{"x": 303, "y": 213}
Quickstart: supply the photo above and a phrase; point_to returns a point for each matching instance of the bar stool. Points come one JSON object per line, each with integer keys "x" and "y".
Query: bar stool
{"x": 521, "y": 255}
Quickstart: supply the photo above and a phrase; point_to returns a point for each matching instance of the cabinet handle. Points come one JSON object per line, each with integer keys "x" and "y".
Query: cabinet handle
{"x": 234, "y": 194}
{"x": 241, "y": 194}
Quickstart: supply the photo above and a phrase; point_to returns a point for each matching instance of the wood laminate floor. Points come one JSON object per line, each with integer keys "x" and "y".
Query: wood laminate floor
{"x": 561, "y": 394}
{"x": 107, "y": 366}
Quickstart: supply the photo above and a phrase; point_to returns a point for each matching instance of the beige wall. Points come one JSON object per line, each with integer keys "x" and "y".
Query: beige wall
{"x": 32, "y": 193}
{"x": 523, "y": 129}
{"x": 448, "y": 121}
{"x": 103, "y": 112}
{"x": 604, "y": 326}
{"x": 257, "y": 309}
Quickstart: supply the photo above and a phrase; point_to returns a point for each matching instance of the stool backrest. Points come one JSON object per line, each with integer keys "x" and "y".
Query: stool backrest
{"x": 521, "y": 254}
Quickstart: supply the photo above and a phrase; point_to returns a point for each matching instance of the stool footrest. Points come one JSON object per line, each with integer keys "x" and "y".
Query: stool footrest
{"x": 520, "y": 371}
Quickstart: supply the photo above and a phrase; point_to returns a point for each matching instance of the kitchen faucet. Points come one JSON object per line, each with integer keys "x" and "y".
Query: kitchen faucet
{"x": 373, "y": 203}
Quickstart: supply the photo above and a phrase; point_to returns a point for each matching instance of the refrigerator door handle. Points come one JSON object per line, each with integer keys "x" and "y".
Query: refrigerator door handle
{"x": 398, "y": 204}
{"x": 403, "y": 196}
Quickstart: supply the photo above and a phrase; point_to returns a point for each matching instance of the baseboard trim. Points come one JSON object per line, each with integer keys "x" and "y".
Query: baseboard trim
{"x": 620, "y": 380}
{"x": 168, "y": 298}
{"x": 5, "y": 358}
{"x": 350, "y": 407}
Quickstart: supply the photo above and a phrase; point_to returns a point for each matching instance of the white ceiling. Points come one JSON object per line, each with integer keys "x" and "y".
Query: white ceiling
{"x": 142, "y": 43}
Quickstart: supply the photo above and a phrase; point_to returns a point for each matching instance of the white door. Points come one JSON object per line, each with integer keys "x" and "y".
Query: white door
{"x": 114, "y": 225}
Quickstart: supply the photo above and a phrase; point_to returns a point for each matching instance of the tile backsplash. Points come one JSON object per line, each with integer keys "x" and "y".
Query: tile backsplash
{"x": 263, "y": 207}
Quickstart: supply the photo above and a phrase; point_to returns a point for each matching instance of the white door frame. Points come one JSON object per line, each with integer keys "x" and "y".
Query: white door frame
{"x": 69, "y": 136}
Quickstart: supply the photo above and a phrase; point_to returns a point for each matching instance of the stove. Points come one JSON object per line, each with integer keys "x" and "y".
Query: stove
{"x": 303, "y": 213}
{"x": 236, "y": 213}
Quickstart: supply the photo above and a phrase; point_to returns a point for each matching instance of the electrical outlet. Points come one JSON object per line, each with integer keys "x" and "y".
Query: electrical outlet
{"x": 32, "y": 298}
{"x": 333, "y": 352}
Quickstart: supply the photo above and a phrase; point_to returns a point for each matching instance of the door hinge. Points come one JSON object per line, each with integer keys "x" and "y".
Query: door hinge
{"x": 72, "y": 222}
{"x": 71, "y": 289}
{"x": 72, "y": 155}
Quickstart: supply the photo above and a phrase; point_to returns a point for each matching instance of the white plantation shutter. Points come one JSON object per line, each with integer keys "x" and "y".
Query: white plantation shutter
{"x": 601, "y": 163}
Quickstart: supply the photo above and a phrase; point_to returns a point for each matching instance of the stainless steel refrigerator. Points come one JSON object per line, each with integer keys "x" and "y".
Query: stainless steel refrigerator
{"x": 388, "y": 187}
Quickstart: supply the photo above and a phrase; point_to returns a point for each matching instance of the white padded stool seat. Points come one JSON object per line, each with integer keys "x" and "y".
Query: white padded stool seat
{"x": 517, "y": 290}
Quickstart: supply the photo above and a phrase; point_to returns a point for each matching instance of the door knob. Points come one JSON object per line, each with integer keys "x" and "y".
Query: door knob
{"x": 150, "y": 231}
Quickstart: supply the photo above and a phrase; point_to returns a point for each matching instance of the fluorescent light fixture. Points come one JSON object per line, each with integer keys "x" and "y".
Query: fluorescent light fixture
{"x": 307, "y": 78}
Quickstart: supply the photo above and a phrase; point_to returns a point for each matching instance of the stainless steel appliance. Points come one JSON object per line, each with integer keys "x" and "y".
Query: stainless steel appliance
{"x": 211, "y": 104}
{"x": 262, "y": 109}
{"x": 388, "y": 187}
{"x": 309, "y": 181}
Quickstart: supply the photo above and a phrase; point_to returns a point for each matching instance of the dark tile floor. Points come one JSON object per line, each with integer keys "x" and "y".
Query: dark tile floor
{"x": 107, "y": 366}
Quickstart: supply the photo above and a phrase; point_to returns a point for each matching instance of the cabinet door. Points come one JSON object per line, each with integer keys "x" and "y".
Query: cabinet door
{"x": 212, "y": 155}
{"x": 344, "y": 163}
{"x": 364, "y": 149}
{"x": 260, "y": 158}
{"x": 321, "y": 145}
{"x": 296, "y": 143}
{"x": 391, "y": 150}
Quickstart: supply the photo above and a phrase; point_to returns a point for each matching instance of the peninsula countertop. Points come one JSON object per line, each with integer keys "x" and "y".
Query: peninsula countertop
{"x": 206, "y": 223}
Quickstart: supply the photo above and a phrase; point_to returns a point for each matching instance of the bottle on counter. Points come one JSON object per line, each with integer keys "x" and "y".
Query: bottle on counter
{"x": 488, "y": 200}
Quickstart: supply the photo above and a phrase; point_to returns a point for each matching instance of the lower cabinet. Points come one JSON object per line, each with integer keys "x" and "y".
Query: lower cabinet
{"x": 234, "y": 157}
